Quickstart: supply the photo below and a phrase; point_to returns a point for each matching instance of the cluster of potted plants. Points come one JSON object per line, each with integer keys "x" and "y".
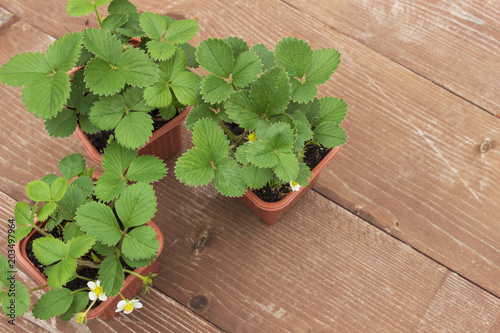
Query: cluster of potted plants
{"x": 259, "y": 132}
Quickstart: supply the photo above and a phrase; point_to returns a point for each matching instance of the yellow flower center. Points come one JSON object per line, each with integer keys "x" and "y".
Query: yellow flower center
{"x": 98, "y": 291}
{"x": 252, "y": 137}
{"x": 294, "y": 183}
{"x": 129, "y": 306}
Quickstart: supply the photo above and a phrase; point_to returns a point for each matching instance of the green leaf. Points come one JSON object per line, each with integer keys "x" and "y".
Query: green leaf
{"x": 38, "y": 190}
{"x": 183, "y": 86}
{"x": 79, "y": 303}
{"x": 287, "y": 168}
{"x": 21, "y": 299}
{"x": 332, "y": 110}
{"x": 324, "y": 63}
{"x": 216, "y": 56}
{"x": 270, "y": 93}
{"x": 304, "y": 174}
{"x": 255, "y": 177}
{"x": 22, "y": 213}
{"x": 63, "y": 54}
{"x": 73, "y": 198}
{"x": 62, "y": 125}
{"x": 168, "y": 112}
{"x": 21, "y": 232}
{"x": 262, "y": 154}
{"x": 83, "y": 7}
{"x": 71, "y": 230}
{"x": 103, "y": 44}
{"x": 58, "y": 189}
{"x": 294, "y": 55}
{"x": 50, "y": 178}
{"x": 194, "y": 167}
{"x": 111, "y": 275}
{"x": 280, "y": 137}
{"x": 134, "y": 130}
{"x": 208, "y": 136}
{"x": 158, "y": 95}
{"x": 48, "y": 250}
{"x": 137, "y": 68}
{"x": 108, "y": 112}
{"x": 102, "y": 78}
{"x": 78, "y": 246}
{"x": 240, "y": 109}
{"x": 137, "y": 205}
{"x": 302, "y": 128}
{"x": 190, "y": 52}
{"x": 116, "y": 159}
{"x": 181, "y": 31}
{"x": 153, "y": 25}
{"x": 227, "y": 178}
{"x": 266, "y": 56}
{"x": 98, "y": 220}
{"x": 161, "y": 50}
{"x": 121, "y": 7}
{"x": 114, "y": 21}
{"x": 215, "y": 89}
{"x": 304, "y": 92}
{"x": 46, "y": 97}
{"x": 4, "y": 276}
{"x": 246, "y": 69}
{"x": 104, "y": 250}
{"x": 61, "y": 273}
{"x": 146, "y": 169}
{"x": 47, "y": 209}
{"x": 53, "y": 303}
{"x": 329, "y": 135}
{"x": 25, "y": 68}
{"x": 86, "y": 184}
{"x": 140, "y": 243}
{"x": 109, "y": 186}
{"x": 72, "y": 165}
{"x": 199, "y": 112}
{"x": 237, "y": 44}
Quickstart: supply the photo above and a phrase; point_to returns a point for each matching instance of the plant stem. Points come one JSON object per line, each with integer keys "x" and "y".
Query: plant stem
{"x": 84, "y": 278}
{"x": 87, "y": 263}
{"x": 38, "y": 288}
{"x": 41, "y": 231}
{"x": 62, "y": 210}
{"x": 134, "y": 273}
{"x": 228, "y": 132}
{"x": 98, "y": 17}
{"x": 81, "y": 289}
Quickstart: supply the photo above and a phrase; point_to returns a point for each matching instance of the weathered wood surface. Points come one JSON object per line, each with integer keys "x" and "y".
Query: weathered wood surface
{"x": 456, "y": 44}
{"x": 160, "y": 313}
{"x": 421, "y": 164}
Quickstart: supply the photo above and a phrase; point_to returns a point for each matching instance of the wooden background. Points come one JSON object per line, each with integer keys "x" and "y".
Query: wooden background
{"x": 401, "y": 232}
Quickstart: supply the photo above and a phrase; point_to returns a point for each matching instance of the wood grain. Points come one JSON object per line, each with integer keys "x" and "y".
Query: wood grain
{"x": 160, "y": 313}
{"x": 319, "y": 269}
{"x": 441, "y": 40}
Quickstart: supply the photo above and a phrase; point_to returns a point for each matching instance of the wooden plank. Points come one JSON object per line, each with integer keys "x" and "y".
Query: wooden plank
{"x": 445, "y": 41}
{"x": 319, "y": 269}
{"x": 49, "y": 16}
{"x": 420, "y": 162}
{"x": 160, "y": 313}
{"x": 486, "y": 11}
{"x": 6, "y": 18}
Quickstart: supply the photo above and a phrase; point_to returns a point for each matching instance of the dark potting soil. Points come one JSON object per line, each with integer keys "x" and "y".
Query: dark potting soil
{"x": 313, "y": 155}
{"x": 100, "y": 139}
{"x": 87, "y": 272}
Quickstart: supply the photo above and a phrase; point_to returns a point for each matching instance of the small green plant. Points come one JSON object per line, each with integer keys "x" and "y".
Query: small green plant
{"x": 87, "y": 223}
{"x": 131, "y": 65}
{"x": 257, "y": 112}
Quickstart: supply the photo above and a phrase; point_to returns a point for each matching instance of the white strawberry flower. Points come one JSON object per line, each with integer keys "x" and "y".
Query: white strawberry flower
{"x": 96, "y": 291}
{"x": 128, "y": 306}
{"x": 294, "y": 185}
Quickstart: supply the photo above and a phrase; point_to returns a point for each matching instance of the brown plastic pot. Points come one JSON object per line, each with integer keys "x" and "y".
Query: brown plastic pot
{"x": 270, "y": 212}
{"x": 165, "y": 141}
{"x": 106, "y": 310}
